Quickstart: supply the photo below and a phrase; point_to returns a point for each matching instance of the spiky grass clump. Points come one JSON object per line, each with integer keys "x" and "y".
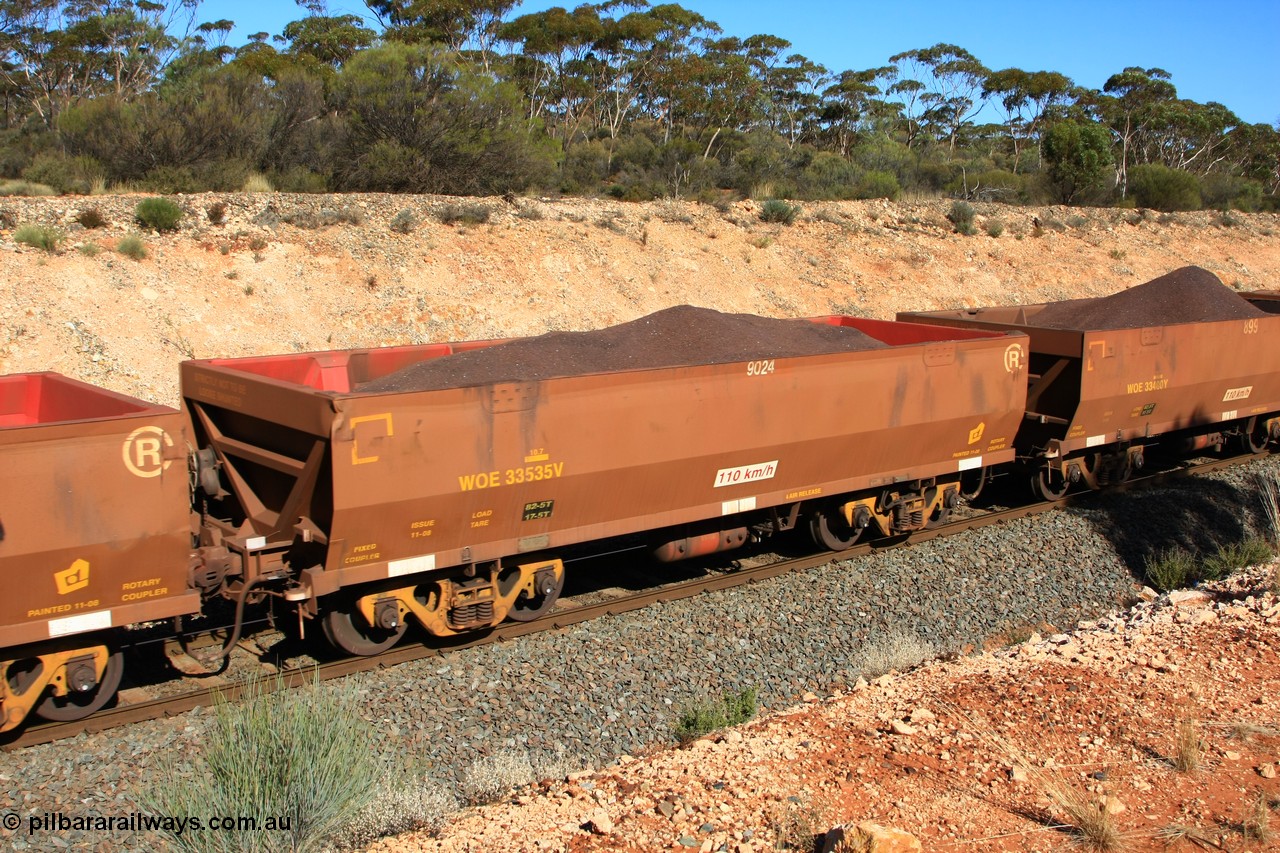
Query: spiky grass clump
{"x": 777, "y": 210}
{"x": 132, "y": 246}
{"x": 44, "y": 237}
{"x": 158, "y": 213}
{"x": 302, "y": 755}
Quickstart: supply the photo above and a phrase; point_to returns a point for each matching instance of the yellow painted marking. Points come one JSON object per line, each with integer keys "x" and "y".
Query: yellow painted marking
{"x": 975, "y": 434}
{"x": 356, "y": 458}
{"x": 143, "y": 451}
{"x": 1092, "y": 345}
{"x": 73, "y": 578}
{"x": 537, "y": 457}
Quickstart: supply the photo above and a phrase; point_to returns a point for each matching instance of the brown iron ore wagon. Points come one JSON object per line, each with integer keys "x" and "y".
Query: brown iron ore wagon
{"x": 1181, "y": 360}
{"x": 94, "y": 534}
{"x": 446, "y": 483}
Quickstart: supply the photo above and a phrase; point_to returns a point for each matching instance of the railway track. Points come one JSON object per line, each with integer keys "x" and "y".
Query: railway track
{"x": 569, "y": 612}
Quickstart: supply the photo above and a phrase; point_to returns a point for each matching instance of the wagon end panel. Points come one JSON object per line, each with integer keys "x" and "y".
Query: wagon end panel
{"x": 94, "y": 529}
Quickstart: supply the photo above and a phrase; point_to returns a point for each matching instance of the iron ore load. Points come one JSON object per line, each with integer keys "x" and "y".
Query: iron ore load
{"x": 1181, "y": 361}
{"x": 447, "y": 485}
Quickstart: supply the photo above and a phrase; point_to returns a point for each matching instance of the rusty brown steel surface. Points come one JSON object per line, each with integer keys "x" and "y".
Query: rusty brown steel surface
{"x": 171, "y": 706}
{"x": 94, "y": 525}
{"x": 1129, "y": 384}
{"x": 433, "y": 479}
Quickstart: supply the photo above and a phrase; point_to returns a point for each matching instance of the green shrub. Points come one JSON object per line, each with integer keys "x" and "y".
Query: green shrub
{"x": 64, "y": 174}
{"x": 172, "y": 179}
{"x": 961, "y": 216}
{"x": 994, "y": 227}
{"x": 1235, "y": 556}
{"x": 44, "y": 237}
{"x": 301, "y": 180}
{"x": 1171, "y": 568}
{"x": 878, "y": 184}
{"x": 90, "y": 250}
{"x": 301, "y": 755}
{"x": 464, "y": 213}
{"x": 131, "y": 246}
{"x": 158, "y": 213}
{"x": 700, "y": 718}
{"x": 91, "y": 218}
{"x": 1230, "y": 192}
{"x": 404, "y": 222}
{"x": 1162, "y": 188}
{"x": 777, "y": 210}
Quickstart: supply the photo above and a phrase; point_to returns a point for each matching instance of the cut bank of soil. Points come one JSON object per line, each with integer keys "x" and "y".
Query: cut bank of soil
{"x": 674, "y": 337}
{"x": 1186, "y": 295}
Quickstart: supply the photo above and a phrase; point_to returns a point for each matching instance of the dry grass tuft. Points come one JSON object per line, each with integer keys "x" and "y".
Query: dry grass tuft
{"x": 493, "y": 777}
{"x": 796, "y": 824}
{"x": 1248, "y": 731}
{"x": 855, "y": 840}
{"x": 1257, "y": 823}
{"x": 1187, "y": 747}
{"x": 1181, "y": 832}
{"x": 1094, "y": 827}
{"x": 896, "y": 651}
{"x": 1080, "y": 811}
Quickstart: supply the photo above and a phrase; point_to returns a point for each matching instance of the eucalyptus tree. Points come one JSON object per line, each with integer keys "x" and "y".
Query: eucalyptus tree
{"x": 1128, "y": 103}
{"x": 1026, "y": 97}
{"x": 940, "y": 88}
{"x": 56, "y": 52}
{"x": 457, "y": 24}
{"x": 852, "y": 104}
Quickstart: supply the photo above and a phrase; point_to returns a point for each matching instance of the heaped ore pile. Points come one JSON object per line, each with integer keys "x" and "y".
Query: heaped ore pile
{"x": 675, "y": 337}
{"x": 1186, "y": 295}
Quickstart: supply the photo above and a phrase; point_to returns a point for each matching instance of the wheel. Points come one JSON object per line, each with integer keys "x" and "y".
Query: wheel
{"x": 1049, "y": 484}
{"x": 528, "y": 608}
{"x": 346, "y": 628}
{"x": 78, "y": 704}
{"x": 829, "y": 530}
{"x": 942, "y": 514}
{"x": 1252, "y": 439}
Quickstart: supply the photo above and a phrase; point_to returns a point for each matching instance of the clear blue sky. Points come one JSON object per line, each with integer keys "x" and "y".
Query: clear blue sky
{"x": 1226, "y": 52}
